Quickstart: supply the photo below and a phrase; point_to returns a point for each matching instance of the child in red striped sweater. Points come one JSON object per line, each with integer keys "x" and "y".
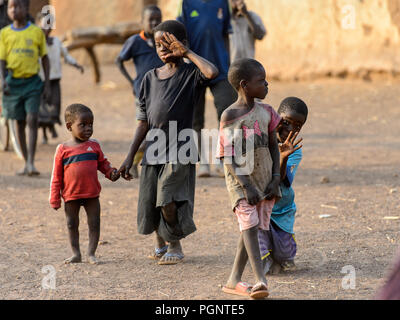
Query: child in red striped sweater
{"x": 74, "y": 178}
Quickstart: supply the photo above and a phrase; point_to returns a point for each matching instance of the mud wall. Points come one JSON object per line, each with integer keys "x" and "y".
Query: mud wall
{"x": 306, "y": 38}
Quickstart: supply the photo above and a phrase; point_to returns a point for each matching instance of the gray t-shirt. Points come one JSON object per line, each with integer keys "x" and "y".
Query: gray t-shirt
{"x": 242, "y": 40}
{"x": 167, "y": 105}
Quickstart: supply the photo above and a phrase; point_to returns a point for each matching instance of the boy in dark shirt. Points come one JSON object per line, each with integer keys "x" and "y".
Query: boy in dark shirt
{"x": 141, "y": 49}
{"x": 167, "y": 182}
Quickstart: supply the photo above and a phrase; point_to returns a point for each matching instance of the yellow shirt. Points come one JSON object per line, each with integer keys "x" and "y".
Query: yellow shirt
{"x": 22, "y": 48}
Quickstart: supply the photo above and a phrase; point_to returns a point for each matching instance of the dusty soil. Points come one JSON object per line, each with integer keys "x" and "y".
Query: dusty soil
{"x": 351, "y": 139}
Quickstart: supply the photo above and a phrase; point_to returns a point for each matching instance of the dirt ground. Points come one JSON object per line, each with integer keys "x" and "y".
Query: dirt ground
{"x": 351, "y": 139}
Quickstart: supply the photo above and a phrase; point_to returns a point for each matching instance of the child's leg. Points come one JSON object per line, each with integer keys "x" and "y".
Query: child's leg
{"x": 72, "y": 215}
{"x": 92, "y": 207}
{"x": 45, "y": 140}
{"x": 32, "y": 121}
{"x": 53, "y": 131}
{"x": 250, "y": 239}
{"x": 21, "y": 134}
{"x": 238, "y": 265}
{"x": 175, "y": 252}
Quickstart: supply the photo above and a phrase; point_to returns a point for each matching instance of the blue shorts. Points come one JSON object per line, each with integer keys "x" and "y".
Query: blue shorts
{"x": 278, "y": 244}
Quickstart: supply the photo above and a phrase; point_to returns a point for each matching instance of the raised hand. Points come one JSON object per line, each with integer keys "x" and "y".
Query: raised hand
{"x": 176, "y": 48}
{"x": 242, "y": 8}
{"x": 290, "y": 145}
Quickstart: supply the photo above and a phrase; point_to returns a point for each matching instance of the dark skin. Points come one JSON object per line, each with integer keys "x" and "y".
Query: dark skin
{"x": 47, "y": 31}
{"x": 287, "y": 132}
{"x": 248, "y": 247}
{"x": 239, "y": 8}
{"x": 18, "y": 13}
{"x": 82, "y": 129}
{"x": 171, "y": 51}
{"x": 150, "y": 20}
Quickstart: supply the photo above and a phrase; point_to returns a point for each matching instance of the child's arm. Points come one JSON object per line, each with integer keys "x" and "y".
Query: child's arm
{"x": 6, "y": 88}
{"x": 140, "y": 135}
{"x": 46, "y": 70}
{"x": 272, "y": 190}
{"x": 104, "y": 166}
{"x": 70, "y": 60}
{"x": 120, "y": 63}
{"x": 257, "y": 27}
{"x": 178, "y": 50}
{"x": 56, "y": 184}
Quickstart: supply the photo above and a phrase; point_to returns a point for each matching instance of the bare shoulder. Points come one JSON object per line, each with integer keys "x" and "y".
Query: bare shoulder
{"x": 229, "y": 114}
{"x": 233, "y": 112}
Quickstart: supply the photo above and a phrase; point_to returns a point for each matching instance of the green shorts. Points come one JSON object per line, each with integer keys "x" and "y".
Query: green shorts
{"x": 24, "y": 97}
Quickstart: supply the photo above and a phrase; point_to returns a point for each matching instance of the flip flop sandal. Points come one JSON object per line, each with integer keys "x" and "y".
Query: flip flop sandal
{"x": 259, "y": 291}
{"x": 242, "y": 289}
{"x": 179, "y": 258}
{"x": 158, "y": 253}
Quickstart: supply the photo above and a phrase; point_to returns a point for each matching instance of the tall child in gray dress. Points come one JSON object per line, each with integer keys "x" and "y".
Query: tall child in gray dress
{"x": 167, "y": 181}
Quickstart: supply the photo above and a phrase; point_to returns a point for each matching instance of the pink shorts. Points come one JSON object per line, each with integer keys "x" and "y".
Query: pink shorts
{"x": 252, "y": 216}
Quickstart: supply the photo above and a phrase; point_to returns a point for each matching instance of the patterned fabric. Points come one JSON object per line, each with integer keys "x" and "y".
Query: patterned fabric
{"x": 247, "y": 139}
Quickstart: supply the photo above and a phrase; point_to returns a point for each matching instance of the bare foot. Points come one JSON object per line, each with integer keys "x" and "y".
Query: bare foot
{"x": 93, "y": 260}
{"x": 32, "y": 171}
{"x": 73, "y": 259}
{"x": 275, "y": 269}
{"x": 23, "y": 172}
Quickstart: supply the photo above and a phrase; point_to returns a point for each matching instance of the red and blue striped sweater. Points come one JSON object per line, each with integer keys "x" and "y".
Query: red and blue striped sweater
{"x": 75, "y": 172}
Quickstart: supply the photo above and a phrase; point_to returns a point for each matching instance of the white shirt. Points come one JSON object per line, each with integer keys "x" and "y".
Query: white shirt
{"x": 55, "y": 51}
{"x": 242, "y": 40}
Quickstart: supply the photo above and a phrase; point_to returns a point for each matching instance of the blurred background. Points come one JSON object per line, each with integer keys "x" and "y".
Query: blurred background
{"x": 306, "y": 38}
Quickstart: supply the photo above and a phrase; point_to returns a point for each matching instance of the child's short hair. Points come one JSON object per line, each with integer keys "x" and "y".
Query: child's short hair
{"x": 242, "y": 69}
{"x": 151, "y": 7}
{"x": 25, "y": 3}
{"x": 174, "y": 27}
{"x": 74, "y": 110}
{"x": 293, "y": 104}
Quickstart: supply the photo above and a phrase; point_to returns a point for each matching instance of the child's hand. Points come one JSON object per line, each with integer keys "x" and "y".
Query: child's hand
{"x": 6, "y": 89}
{"x": 273, "y": 190}
{"x": 115, "y": 175}
{"x": 290, "y": 145}
{"x": 124, "y": 170}
{"x": 80, "y": 68}
{"x": 178, "y": 50}
{"x": 47, "y": 92}
{"x": 252, "y": 195}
